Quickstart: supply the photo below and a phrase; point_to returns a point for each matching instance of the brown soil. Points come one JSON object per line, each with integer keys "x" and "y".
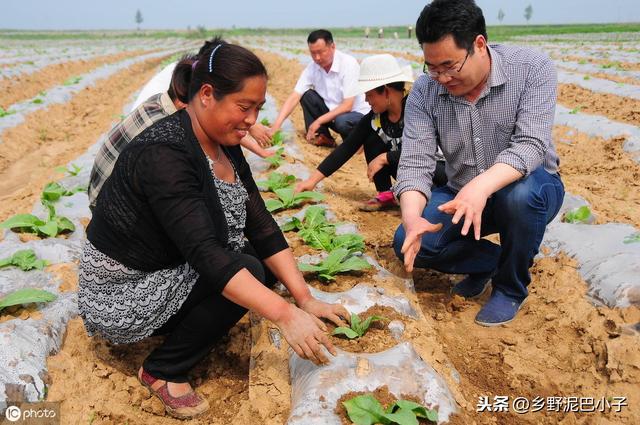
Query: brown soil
{"x": 22, "y": 87}
{"x": 97, "y": 383}
{"x": 378, "y": 337}
{"x": 560, "y": 344}
{"x": 616, "y": 78}
{"x": 22, "y": 312}
{"x": 616, "y": 108}
{"x": 627, "y": 66}
{"x": 30, "y": 152}
{"x": 382, "y": 394}
{"x": 602, "y": 172}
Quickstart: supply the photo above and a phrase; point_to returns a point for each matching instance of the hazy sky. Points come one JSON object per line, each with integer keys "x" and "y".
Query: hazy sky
{"x": 157, "y": 14}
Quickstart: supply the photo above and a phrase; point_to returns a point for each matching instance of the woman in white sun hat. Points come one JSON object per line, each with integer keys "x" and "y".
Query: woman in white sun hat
{"x": 380, "y": 131}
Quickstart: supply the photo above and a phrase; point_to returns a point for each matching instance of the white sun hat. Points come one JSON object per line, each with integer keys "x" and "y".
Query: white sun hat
{"x": 378, "y": 70}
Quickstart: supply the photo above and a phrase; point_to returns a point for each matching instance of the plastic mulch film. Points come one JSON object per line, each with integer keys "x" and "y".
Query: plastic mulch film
{"x": 363, "y": 296}
{"x": 609, "y": 265}
{"x": 317, "y": 389}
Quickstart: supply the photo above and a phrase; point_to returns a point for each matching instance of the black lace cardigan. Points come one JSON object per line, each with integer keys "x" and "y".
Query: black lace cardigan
{"x": 159, "y": 208}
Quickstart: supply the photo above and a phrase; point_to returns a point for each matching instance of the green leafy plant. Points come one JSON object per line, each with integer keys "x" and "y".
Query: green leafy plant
{"x": 276, "y": 159}
{"x": 358, "y": 327}
{"x": 71, "y": 81}
{"x": 265, "y": 122}
{"x": 575, "y": 110}
{"x": 53, "y": 226}
{"x": 287, "y": 198}
{"x": 338, "y": 261}
{"x": 53, "y": 191}
{"x": 577, "y": 215}
{"x": 586, "y": 77}
{"x": 633, "y": 238}
{"x": 25, "y": 260}
{"x": 37, "y": 101}
{"x": 277, "y": 139}
{"x": 72, "y": 170}
{"x": 276, "y": 181}
{"x": 314, "y": 229}
{"x": 4, "y": 113}
{"x": 351, "y": 241}
{"x": 26, "y": 296}
{"x": 366, "y": 410}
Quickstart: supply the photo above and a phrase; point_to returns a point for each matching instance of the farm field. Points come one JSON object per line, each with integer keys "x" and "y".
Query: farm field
{"x": 577, "y": 337}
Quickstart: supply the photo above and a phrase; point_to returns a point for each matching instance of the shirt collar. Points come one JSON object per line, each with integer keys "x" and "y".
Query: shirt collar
{"x": 497, "y": 74}
{"x": 167, "y": 103}
{"x": 336, "y": 66}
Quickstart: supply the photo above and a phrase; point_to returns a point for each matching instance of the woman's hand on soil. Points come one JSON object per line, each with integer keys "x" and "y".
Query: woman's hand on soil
{"x": 304, "y": 185}
{"x": 333, "y": 312}
{"x": 306, "y": 334}
{"x": 313, "y": 129}
{"x": 414, "y": 229}
{"x": 376, "y": 165}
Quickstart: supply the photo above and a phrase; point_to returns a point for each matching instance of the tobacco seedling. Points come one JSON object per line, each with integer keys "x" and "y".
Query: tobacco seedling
{"x": 265, "y": 122}
{"x": 632, "y": 238}
{"x": 577, "y": 215}
{"x": 277, "y": 139}
{"x": 53, "y": 191}
{"x": 73, "y": 170}
{"x": 357, "y": 327}
{"x": 276, "y": 159}
{"x": 351, "y": 241}
{"x": 24, "y": 259}
{"x": 37, "y": 101}
{"x": 4, "y": 113}
{"x": 71, "y": 81}
{"x": 313, "y": 229}
{"x": 276, "y": 181}
{"x": 366, "y": 410}
{"x": 586, "y": 77}
{"x": 338, "y": 261}
{"x": 575, "y": 110}
{"x": 287, "y": 198}
{"x": 53, "y": 226}
{"x": 26, "y": 296}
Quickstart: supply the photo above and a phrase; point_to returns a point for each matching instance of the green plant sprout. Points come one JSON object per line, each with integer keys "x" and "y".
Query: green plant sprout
{"x": 366, "y": 410}
{"x": 276, "y": 181}
{"x": 72, "y": 170}
{"x": 53, "y": 226}
{"x": 358, "y": 327}
{"x": 575, "y": 110}
{"x": 277, "y": 139}
{"x": 351, "y": 241}
{"x": 633, "y": 238}
{"x": 265, "y": 122}
{"x": 26, "y": 296}
{"x": 25, "y": 260}
{"x": 577, "y": 215}
{"x": 586, "y": 77}
{"x": 338, "y": 261}
{"x": 313, "y": 229}
{"x": 71, "y": 81}
{"x": 53, "y": 191}
{"x": 4, "y": 113}
{"x": 276, "y": 159}
{"x": 287, "y": 198}
{"x": 37, "y": 101}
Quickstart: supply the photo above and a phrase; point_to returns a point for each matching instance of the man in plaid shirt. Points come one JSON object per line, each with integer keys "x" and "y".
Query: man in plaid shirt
{"x": 153, "y": 109}
{"x": 490, "y": 109}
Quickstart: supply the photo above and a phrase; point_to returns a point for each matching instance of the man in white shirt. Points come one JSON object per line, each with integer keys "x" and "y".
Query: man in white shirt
{"x": 321, "y": 91}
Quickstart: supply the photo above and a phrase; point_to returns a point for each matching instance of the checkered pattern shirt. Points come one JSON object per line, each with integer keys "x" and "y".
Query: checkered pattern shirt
{"x": 510, "y": 123}
{"x": 153, "y": 109}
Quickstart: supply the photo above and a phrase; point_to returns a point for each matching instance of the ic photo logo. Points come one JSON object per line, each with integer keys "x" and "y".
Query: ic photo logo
{"x": 13, "y": 413}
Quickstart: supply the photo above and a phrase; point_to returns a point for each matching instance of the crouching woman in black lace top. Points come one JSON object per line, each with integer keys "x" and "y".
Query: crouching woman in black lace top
{"x": 181, "y": 244}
